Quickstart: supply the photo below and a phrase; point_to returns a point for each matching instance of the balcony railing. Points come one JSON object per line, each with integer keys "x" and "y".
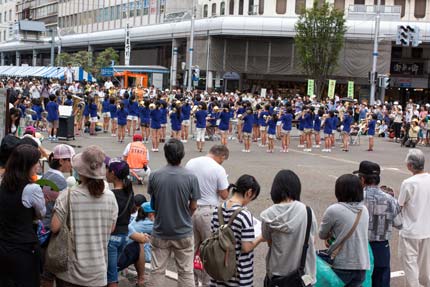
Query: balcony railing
{"x": 366, "y": 11}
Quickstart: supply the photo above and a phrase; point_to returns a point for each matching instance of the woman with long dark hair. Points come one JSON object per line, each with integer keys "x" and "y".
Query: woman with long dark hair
{"x": 117, "y": 172}
{"x": 93, "y": 214}
{"x": 13, "y": 121}
{"x": 21, "y": 201}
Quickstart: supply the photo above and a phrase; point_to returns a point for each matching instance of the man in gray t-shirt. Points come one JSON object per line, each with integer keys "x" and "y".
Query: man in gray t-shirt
{"x": 174, "y": 193}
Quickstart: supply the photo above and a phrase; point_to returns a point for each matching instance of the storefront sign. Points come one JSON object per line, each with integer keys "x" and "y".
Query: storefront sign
{"x": 407, "y": 68}
{"x": 331, "y": 88}
{"x": 311, "y": 85}
{"x": 350, "y": 89}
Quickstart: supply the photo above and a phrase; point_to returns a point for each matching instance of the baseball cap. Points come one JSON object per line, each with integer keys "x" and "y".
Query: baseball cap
{"x": 30, "y": 129}
{"x": 368, "y": 168}
{"x": 119, "y": 167}
{"x": 62, "y": 151}
{"x": 137, "y": 137}
{"x": 147, "y": 207}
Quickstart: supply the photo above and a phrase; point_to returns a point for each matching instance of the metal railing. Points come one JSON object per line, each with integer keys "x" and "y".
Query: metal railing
{"x": 370, "y": 9}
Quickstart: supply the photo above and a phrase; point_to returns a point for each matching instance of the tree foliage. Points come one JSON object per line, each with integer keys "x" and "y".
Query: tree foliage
{"x": 85, "y": 60}
{"x": 319, "y": 39}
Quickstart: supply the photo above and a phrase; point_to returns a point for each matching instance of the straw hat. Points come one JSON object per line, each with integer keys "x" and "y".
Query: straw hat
{"x": 90, "y": 163}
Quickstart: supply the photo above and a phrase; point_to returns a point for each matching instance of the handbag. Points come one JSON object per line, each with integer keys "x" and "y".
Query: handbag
{"x": 329, "y": 258}
{"x": 60, "y": 246}
{"x": 294, "y": 279}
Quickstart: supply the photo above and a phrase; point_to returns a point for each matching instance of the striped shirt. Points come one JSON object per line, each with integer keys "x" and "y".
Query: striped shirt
{"x": 243, "y": 230}
{"x": 91, "y": 220}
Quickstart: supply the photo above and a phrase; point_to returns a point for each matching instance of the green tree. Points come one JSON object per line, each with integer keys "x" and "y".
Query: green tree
{"x": 319, "y": 39}
{"x": 63, "y": 59}
{"x": 83, "y": 59}
{"x": 104, "y": 59}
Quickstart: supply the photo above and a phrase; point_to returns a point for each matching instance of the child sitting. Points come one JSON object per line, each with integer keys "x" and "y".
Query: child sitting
{"x": 138, "y": 249}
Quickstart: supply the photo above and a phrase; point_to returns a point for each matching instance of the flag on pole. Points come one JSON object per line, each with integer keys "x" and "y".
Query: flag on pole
{"x": 350, "y": 89}
{"x": 331, "y": 88}
{"x": 311, "y": 85}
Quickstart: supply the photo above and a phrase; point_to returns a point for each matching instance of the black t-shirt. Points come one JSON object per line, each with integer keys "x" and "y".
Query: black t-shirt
{"x": 124, "y": 210}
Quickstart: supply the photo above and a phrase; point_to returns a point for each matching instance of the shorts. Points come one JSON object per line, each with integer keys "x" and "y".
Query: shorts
{"x": 200, "y": 134}
{"x": 186, "y": 123}
{"x": 131, "y": 118}
{"x": 129, "y": 256}
{"x": 327, "y": 135}
{"x": 317, "y": 132}
{"x": 246, "y": 135}
{"x": 285, "y": 132}
{"x": 115, "y": 119}
{"x": 144, "y": 125}
{"x": 307, "y": 131}
{"x": 163, "y": 125}
{"x": 106, "y": 115}
{"x": 94, "y": 119}
{"x": 278, "y": 123}
{"x": 344, "y": 133}
{"x": 263, "y": 129}
{"x": 301, "y": 132}
{"x": 270, "y": 136}
{"x": 54, "y": 124}
{"x": 370, "y": 136}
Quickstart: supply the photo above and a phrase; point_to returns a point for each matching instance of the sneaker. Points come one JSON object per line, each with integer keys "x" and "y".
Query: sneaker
{"x": 324, "y": 150}
{"x": 317, "y": 146}
{"x": 301, "y": 146}
{"x": 49, "y": 138}
{"x": 248, "y": 150}
{"x": 244, "y": 150}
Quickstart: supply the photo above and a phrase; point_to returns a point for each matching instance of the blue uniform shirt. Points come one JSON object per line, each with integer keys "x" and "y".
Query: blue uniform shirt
{"x": 287, "y": 122}
{"x": 52, "y": 109}
{"x": 224, "y": 120}
{"x": 201, "y": 116}
{"x": 248, "y": 121}
{"x": 155, "y": 116}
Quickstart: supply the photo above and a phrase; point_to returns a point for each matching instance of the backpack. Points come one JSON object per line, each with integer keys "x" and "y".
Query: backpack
{"x": 218, "y": 252}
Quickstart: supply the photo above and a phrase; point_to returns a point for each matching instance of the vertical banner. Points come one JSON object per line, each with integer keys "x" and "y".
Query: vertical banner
{"x": 350, "y": 89}
{"x": 127, "y": 48}
{"x": 311, "y": 85}
{"x": 331, "y": 88}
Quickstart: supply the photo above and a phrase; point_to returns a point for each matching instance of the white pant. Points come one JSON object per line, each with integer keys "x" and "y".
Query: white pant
{"x": 200, "y": 137}
{"x": 141, "y": 172}
{"x": 415, "y": 257}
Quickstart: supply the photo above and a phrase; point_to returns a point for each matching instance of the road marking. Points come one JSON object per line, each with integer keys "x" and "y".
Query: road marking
{"x": 397, "y": 274}
{"x": 392, "y": 169}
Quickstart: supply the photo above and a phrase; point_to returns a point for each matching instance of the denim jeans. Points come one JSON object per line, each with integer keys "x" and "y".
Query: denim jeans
{"x": 116, "y": 245}
{"x": 351, "y": 278}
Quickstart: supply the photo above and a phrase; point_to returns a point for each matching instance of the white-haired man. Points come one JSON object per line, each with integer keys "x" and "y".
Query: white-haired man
{"x": 414, "y": 241}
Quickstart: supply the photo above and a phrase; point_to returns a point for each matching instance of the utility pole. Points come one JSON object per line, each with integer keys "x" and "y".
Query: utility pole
{"x": 375, "y": 55}
{"x": 191, "y": 48}
{"x": 52, "y": 47}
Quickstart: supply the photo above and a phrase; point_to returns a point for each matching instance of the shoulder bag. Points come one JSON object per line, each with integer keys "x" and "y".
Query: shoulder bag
{"x": 295, "y": 279}
{"x": 60, "y": 246}
{"x": 329, "y": 258}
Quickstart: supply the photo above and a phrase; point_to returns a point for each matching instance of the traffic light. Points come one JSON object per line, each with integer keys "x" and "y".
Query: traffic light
{"x": 402, "y": 35}
{"x": 414, "y": 35}
{"x": 384, "y": 82}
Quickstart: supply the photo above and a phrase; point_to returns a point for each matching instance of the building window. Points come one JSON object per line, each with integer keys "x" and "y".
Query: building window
{"x": 213, "y": 9}
{"x": 5, "y": 16}
{"x": 251, "y": 7}
{"x": 222, "y": 10}
{"x": 401, "y": 3}
{"x": 420, "y": 8}
{"x": 359, "y": 2}
{"x": 240, "y": 7}
{"x": 281, "y": 6}
{"x": 1, "y": 19}
{"x": 231, "y": 7}
{"x": 10, "y": 14}
{"x": 300, "y": 6}
{"x": 339, "y": 5}
{"x": 205, "y": 11}
{"x": 261, "y": 7}
{"x": 375, "y": 2}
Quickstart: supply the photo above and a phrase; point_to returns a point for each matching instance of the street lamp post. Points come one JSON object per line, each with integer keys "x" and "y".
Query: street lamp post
{"x": 190, "y": 63}
{"x": 52, "y": 47}
{"x": 375, "y": 55}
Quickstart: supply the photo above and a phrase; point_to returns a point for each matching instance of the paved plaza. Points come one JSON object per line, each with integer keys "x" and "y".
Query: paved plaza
{"x": 317, "y": 171}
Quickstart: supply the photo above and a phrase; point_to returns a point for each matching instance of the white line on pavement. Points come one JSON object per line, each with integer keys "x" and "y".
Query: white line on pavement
{"x": 397, "y": 274}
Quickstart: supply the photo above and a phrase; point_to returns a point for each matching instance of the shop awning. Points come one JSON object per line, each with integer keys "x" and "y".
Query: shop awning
{"x": 44, "y": 72}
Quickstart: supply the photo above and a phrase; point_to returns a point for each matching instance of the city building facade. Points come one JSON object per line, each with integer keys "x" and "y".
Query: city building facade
{"x": 7, "y": 20}
{"x": 243, "y": 44}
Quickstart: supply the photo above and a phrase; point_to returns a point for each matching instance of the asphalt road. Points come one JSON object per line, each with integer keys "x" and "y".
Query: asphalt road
{"x": 318, "y": 172}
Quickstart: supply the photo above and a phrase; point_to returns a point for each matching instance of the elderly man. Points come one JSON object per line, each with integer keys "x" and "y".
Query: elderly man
{"x": 213, "y": 184}
{"x": 414, "y": 241}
